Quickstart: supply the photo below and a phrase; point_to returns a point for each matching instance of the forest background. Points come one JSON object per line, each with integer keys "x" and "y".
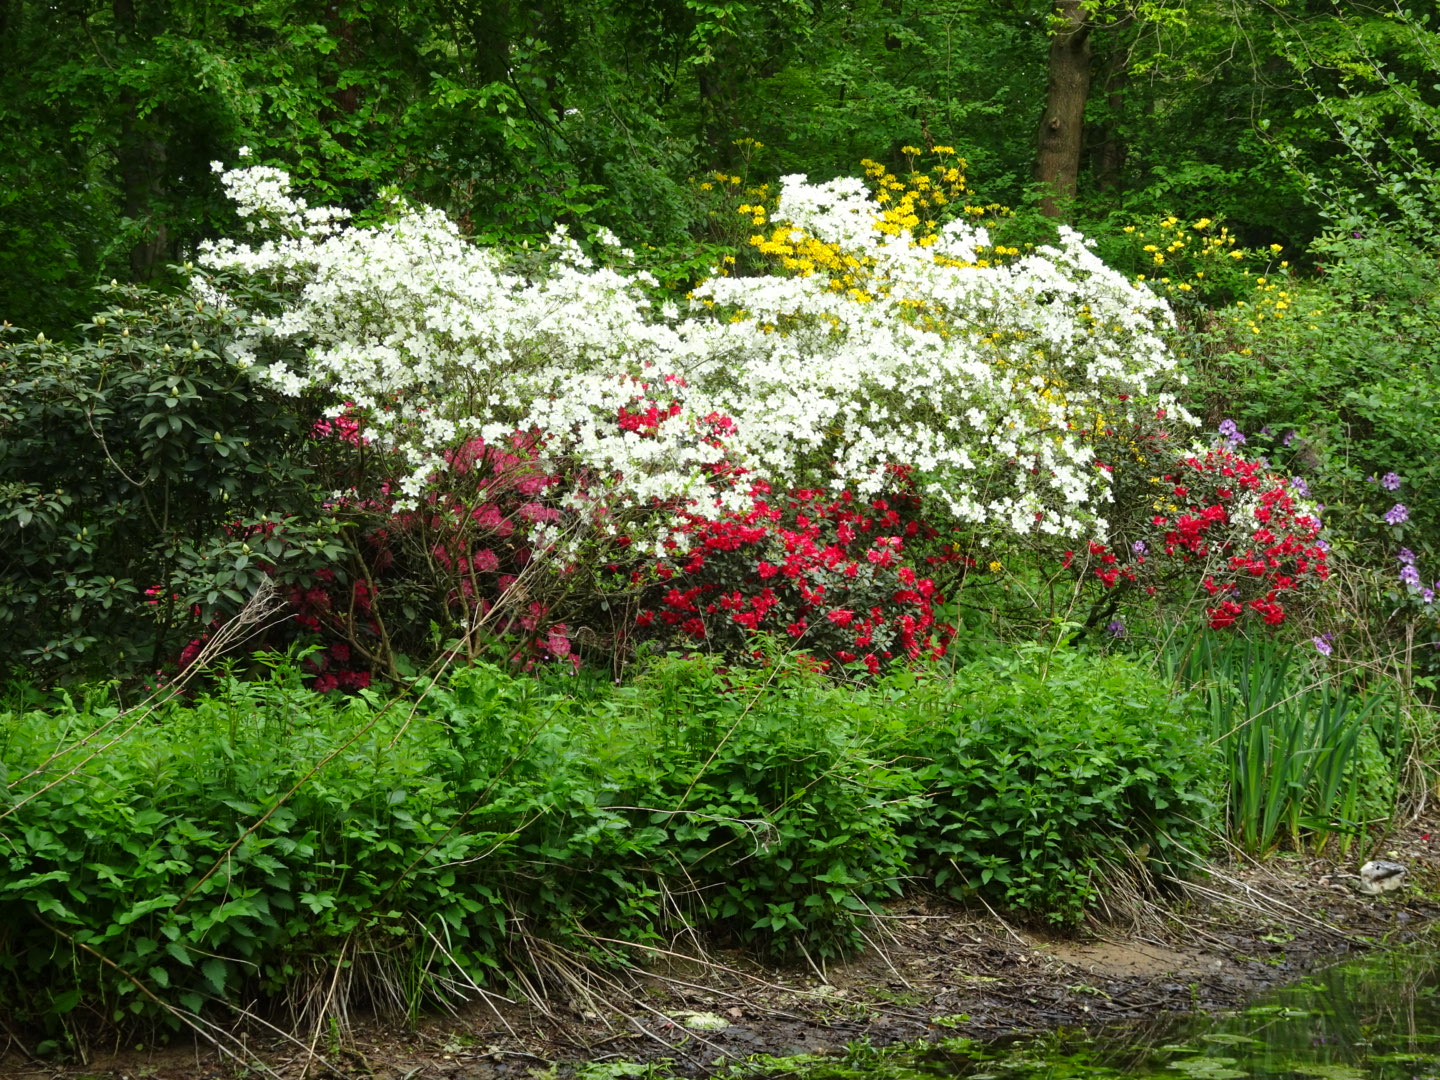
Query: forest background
{"x": 179, "y": 540}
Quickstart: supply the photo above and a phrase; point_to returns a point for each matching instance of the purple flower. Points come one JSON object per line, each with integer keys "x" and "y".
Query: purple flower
{"x": 1406, "y": 556}
{"x": 1390, "y": 481}
{"x": 1410, "y": 577}
{"x": 1138, "y": 547}
{"x": 1115, "y": 628}
{"x": 1322, "y": 644}
{"x": 1231, "y": 433}
{"x": 1427, "y": 595}
{"x": 1266, "y": 431}
{"x": 1289, "y": 438}
{"x": 1397, "y": 514}
{"x": 1298, "y": 483}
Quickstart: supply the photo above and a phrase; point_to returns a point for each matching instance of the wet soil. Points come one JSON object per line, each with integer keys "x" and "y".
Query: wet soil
{"x": 933, "y": 969}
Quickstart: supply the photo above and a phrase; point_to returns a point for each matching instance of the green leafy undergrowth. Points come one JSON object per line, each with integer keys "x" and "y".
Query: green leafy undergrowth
{"x": 224, "y": 852}
{"x": 785, "y": 818}
{"x": 1306, "y": 752}
{"x": 1047, "y": 772}
{"x": 267, "y": 843}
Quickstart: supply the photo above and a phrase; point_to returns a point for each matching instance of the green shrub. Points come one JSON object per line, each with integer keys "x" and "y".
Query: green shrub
{"x": 1047, "y": 771}
{"x": 784, "y": 814}
{"x": 265, "y": 839}
{"x": 1330, "y": 376}
{"x": 236, "y": 849}
{"x": 534, "y": 772}
{"x": 145, "y": 486}
{"x": 268, "y": 843}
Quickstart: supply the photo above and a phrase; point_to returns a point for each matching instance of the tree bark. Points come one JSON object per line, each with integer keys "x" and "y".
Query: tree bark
{"x": 1061, "y": 138}
{"x": 344, "y": 100}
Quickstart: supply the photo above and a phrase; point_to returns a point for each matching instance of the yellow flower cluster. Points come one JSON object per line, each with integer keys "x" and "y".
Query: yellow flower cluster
{"x": 1189, "y": 251}
{"x": 1176, "y": 240}
{"x": 722, "y": 179}
{"x": 1270, "y": 302}
{"x": 1198, "y": 248}
{"x": 804, "y": 255}
{"x": 911, "y": 207}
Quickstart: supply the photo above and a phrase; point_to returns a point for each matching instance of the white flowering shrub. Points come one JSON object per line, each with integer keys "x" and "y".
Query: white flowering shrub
{"x": 981, "y": 379}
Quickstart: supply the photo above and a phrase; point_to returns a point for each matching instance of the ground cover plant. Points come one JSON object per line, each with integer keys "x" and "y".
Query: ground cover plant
{"x": 1052, "y": 773}
{"x": 267, "y": 842}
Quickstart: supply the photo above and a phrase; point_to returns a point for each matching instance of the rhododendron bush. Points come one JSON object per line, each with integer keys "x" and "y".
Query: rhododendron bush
{"x": 1228, "y": 523}
{"x": 977, "y": 377}
{"x": 759, "y": 447}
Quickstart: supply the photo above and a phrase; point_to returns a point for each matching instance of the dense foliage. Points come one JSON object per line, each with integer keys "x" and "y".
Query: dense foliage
{"x": 263, "y": 838}
{"x": 136, "y": 465}
{"x": 588, "y": 477}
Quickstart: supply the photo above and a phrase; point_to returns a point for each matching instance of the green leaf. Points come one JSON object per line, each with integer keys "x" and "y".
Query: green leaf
{"x": 216, "y": 971}
{"x": 145, "y": 907}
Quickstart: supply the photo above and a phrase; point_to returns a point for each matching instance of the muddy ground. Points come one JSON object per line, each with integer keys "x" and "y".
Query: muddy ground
{"x": 934, "y": 969}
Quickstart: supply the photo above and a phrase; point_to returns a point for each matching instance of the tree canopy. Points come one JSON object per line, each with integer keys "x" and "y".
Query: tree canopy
{"x": 513, "y": 116}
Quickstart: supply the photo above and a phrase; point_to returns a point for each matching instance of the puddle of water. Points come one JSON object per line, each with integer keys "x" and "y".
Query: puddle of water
{"x": 1376, "y": 1018}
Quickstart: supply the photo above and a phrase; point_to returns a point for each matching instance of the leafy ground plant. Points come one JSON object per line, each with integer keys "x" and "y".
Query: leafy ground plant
{"x": 1050, "y": 771}
{"x": 265, "y": 842}
{"x": 1307, "y": 756}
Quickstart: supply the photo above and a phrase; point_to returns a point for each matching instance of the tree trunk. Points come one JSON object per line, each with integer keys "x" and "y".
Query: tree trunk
{"x": 344, "y": 100}
{"x": 1061, "y": 138}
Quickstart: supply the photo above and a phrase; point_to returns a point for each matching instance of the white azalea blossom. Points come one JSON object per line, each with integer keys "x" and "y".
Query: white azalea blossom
{"x": 980, "y": 378}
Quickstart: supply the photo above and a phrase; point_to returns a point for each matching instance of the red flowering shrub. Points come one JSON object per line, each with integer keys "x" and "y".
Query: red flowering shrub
{"x": 833, "y": 574}
{"x": 409, "y": 582}
{"x": 456, "y": 559}
{"x": 1238, "y": 530}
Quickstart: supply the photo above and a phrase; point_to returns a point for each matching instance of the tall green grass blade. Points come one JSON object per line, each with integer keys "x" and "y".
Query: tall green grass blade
{"x": 1293, "y": 741}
